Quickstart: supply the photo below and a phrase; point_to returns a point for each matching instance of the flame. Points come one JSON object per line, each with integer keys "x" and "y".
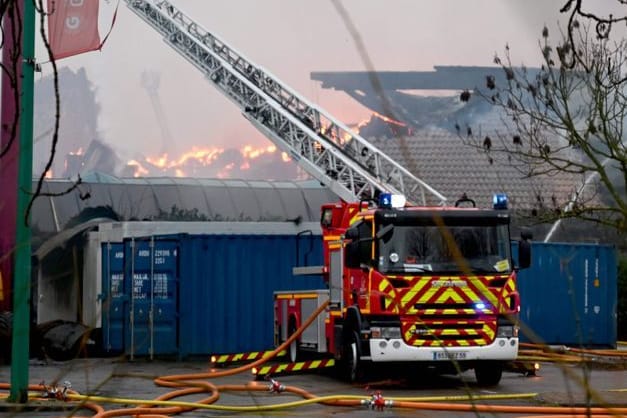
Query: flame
{"x": 139, "y": 169}
{"x": 189, "y": 162}
{"x": 361, "y": 125}
{"x": 249, "y": 152}
{"x": 204, "y": 156}
{"x": 79, "y": 151}
{"x": 389, "y": 120}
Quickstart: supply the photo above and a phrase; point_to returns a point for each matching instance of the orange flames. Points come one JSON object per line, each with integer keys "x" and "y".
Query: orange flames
{"x": 389, "y": 120}
{"x": 186, "y": 163}
{"x": 204, "y": 156}
{"x": 140, "y": 170}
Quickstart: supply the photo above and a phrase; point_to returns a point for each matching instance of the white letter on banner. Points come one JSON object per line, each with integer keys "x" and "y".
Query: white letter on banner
{"x": 72, "y": 22}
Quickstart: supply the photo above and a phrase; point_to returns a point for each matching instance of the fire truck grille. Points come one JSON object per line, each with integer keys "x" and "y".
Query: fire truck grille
{"x": 448, "y": 331}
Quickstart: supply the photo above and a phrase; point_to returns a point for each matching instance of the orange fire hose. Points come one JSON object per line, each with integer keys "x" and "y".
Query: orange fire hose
{"x": 196, "y": 383}
{"x": 197, "y": 379}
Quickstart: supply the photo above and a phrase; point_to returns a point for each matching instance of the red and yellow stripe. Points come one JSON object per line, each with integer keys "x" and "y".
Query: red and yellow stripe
{"x": 233, "y": 358}
{"x": 293, "y": 367}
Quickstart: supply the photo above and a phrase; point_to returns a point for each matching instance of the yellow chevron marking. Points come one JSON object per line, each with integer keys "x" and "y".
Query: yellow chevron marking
{"x": 298, "y": 366}
{"x": 450, "y": 293}
{"x": 314, "y": 364}
{"x": 489, "y": 332}
{"x": 485, "y": 292}
{"x": 224, "y": 358}
{"x": 429, "y": 295}
{"x": 470, "y": 294}
{"x": 449, "y": 332}
{"x": 416, "y": 289}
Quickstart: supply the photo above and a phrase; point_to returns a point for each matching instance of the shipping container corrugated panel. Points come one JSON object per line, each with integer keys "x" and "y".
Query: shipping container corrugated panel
{"x": 569, "y": 295}
{"x": 152, "y": 296}
{"x": 226, "y": 288}
{"x": 207, "y": 293}
{"x": 114, "y": 298}
{"x": 140, "y": 315}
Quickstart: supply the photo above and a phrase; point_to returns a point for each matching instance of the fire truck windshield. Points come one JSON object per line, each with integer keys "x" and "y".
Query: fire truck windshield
{"x": 451, "y": 249}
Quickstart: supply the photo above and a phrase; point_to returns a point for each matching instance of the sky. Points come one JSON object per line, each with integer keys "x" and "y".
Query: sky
{"x": 289, "y": 38}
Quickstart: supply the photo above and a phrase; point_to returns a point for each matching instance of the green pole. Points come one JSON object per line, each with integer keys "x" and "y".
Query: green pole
{"x": 21, "y": 283}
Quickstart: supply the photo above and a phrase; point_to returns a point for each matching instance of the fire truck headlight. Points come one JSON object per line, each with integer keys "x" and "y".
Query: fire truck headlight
{"x": 394, "y": 258}
{"x": 385, "y": 332}
{"x": 480, "y": 305}
{"x": 506, "y": 331}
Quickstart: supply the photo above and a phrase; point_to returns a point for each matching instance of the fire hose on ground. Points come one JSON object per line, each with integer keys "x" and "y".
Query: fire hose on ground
{"x": 197, "y": 383}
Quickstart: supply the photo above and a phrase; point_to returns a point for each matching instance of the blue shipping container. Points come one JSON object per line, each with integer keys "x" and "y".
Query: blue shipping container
{"x": 569, "y": 295}
{"x": 227, "y": 285}
{"x": 141, "y": 296}
{"x": 206, "y": 293}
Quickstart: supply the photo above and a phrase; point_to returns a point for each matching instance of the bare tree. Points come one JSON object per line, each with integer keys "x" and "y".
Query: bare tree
{"x": 568, "y": 117}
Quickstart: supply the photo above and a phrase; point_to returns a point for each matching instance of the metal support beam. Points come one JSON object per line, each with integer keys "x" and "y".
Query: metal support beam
{"x": 21, "y": 287}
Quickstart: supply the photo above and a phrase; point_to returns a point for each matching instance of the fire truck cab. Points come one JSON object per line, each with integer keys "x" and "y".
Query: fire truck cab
{"x": 428, "y": 286}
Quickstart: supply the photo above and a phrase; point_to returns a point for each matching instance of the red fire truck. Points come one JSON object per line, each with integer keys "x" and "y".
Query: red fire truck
{"x": 426, "y": 285}
{"x": 433, "y": 287}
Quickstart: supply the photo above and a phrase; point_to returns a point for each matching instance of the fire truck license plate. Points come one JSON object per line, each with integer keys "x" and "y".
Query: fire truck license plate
{"x": 442, "y": 355}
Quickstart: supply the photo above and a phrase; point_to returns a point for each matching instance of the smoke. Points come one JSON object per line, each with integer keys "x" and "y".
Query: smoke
{"x": 290, "y": 39}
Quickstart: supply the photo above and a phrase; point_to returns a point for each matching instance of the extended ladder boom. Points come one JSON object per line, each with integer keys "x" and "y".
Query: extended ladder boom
{"x": 328, "y": 150}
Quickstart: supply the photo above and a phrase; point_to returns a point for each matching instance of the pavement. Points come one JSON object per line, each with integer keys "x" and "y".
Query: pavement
{"x": 121, "y": 378}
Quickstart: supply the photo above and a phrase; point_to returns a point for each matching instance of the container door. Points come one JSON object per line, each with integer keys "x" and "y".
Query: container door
{"x": 115, "y": 300}
{"x": 153, "y": 294}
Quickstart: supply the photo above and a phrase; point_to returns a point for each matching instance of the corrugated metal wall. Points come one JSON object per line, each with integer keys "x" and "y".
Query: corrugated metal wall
{"x": 223, "y": 292}
{"x": 227, "y": 284}
{"x": 569, "y": 294}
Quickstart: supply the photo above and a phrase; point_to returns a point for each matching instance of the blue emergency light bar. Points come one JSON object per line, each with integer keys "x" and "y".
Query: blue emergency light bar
{"x": 499, "y": 201}
{"x": 389, "y": 200}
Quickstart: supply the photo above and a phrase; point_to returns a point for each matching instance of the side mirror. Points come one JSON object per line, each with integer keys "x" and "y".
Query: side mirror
{"x": 524, "y": 249}
{"x": 526, "y": 234}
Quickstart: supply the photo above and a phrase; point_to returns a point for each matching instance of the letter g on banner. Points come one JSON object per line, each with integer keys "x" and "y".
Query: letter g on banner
{"x": 73, "y": 22}
{"x": 73, "y": 27}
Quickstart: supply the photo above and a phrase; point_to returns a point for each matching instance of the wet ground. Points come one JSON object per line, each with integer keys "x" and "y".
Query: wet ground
{"x": 119, "y": 378}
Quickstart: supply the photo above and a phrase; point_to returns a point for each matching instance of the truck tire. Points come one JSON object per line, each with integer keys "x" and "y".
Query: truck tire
{"x": 352, "y": 368}
{"x": 488, "y": 373}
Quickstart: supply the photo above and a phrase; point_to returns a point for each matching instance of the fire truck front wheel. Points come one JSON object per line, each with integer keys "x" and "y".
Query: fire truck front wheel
{"x": 488, "y": 373}
{"x": 351, "y": 365}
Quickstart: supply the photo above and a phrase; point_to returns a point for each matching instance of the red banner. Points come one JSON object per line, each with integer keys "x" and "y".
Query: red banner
{"x": 73, "y": 27}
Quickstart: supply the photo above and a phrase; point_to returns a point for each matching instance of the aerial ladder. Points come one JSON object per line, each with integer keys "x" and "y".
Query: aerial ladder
{"x": 327, "y": 149}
